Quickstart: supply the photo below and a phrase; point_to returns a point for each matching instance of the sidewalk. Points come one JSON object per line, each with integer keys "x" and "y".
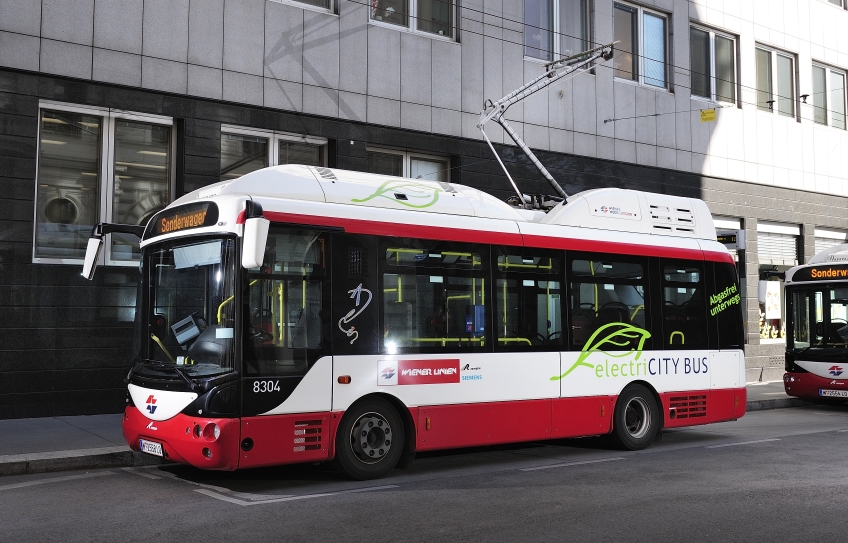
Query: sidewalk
{"x": 88, "y": 442}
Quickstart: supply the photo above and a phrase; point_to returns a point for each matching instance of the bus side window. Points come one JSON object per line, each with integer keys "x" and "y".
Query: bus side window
{"x": 434, "y": 296}
{"x": 683, "y": 311}
{"x": 605, "y": 297}
{"x": 725, "y": 306}
{"x": 285, "y": 317}
{"x": 528, "y": 315}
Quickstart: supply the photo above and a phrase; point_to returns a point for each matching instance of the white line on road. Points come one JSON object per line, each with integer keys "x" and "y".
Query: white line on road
{"x": 213, "y": 494}
{"x": 845, "y": 430}
{"x": 136, "y": 471}
{"x": 742, "y": 443}
{"x": 56, "y": 480}
{"x": 565, "y": 465}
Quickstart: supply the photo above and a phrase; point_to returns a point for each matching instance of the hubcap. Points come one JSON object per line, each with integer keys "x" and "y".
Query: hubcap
{"x": 637, "y": 418}
{"x": 371, "y": 438}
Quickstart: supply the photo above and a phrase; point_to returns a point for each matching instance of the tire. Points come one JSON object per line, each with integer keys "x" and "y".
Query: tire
{"x": 636, "y": 419}
{"x": 369, "y": 441}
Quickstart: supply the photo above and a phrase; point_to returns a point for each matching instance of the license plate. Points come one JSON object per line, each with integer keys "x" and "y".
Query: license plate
{"x": 834, "y": 393}
{"x": 150, "y": 447}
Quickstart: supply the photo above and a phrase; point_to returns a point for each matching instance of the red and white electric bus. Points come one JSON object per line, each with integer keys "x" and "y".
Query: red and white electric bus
{"x": 301, "y": 314}
{"x": 817, "y": 327}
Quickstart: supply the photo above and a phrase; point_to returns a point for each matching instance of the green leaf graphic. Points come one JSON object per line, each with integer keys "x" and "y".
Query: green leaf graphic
{"x": 414, "y": 191}
{"x": 616, "y": 334}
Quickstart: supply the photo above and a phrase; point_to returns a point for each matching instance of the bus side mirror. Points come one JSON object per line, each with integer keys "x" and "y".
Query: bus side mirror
{"x": 253, "y": 242}
{"x": 92, "y": 254}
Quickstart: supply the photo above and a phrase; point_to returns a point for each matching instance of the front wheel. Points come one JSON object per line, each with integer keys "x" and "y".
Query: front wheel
{"x": 369, "y": 441}
{"x": 636, "y": 419}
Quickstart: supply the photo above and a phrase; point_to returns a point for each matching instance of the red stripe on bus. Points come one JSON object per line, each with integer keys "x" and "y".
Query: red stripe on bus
{"x": 360, "y": 226}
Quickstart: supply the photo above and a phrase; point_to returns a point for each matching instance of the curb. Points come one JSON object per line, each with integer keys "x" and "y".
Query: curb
{"x": 779, "y": 403}
{"x": 104, "y": 457}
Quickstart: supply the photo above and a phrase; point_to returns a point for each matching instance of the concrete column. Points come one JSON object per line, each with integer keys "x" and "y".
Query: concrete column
{"x": 807, "y": 243}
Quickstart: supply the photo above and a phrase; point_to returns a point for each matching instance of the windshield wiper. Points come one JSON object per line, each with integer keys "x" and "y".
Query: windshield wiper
{"x": 192, "y": 384}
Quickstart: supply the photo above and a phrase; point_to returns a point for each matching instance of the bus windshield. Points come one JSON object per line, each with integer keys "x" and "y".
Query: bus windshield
{"x": 818, "y": 317}
{"x": 190, "y": 309}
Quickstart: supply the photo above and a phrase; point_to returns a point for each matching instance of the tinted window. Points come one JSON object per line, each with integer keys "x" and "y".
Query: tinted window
{"x": 529, "y": 301}
{"x": 725, "y": 306}
{"x": 683, "y": 312}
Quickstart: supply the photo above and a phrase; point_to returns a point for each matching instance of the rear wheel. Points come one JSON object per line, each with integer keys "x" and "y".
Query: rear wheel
{"x": 369, "y": 441}
{"x": 636, "y": 419}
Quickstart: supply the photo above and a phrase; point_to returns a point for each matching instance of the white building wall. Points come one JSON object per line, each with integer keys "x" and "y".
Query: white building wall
{"x": 290, "y": 57}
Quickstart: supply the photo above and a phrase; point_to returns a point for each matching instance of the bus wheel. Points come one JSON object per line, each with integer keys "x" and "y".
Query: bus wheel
{"x": 369, "y": 441}
{"x": 636, "y": 419}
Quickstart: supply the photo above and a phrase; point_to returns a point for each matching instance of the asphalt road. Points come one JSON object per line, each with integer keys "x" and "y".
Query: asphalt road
{"x": 778, "y": 475}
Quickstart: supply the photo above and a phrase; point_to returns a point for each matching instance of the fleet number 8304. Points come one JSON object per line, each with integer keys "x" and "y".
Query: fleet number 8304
{"x": 266, "y": 386}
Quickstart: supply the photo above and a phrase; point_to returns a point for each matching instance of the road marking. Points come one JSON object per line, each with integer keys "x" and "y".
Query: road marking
{"x": 56, "y": 480}
{"x": 742, "y": 443}
{"x": 136, "y": 471}
{"x": 565, "y": 465}
{"x": 845, "y": 430}
{"x": 213, "y": 494}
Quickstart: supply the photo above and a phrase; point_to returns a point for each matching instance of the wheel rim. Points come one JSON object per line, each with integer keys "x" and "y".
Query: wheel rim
{"x": 371, "y": 438}
{"x": 637, "y": 418}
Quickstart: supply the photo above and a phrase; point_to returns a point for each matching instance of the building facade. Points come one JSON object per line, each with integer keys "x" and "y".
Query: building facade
{"x": 110, "y": 109}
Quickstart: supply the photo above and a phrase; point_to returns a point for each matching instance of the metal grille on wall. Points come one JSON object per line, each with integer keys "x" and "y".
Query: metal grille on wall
{"x": 777, "y": 249}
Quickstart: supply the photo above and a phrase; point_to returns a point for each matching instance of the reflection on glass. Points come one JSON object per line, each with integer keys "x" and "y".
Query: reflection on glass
{"x": 573, "y": 25}
{"x": 819, "y": 95}
{"x": 431, "y": 170}
{"x": 785, "y": 87}
{"x": 837, "y": 99}
{"x": 68, "y": 181}
{"x": 301, "y": 153}
{"x": 395, "y": 12}
{"x": 537, "y": 28}
{"x": 654, "y": 38}
{"x": 142, "y": 178}
{"x": 435, "y": 16}
{"x": 241, "y": 155}
{"x": 725, "y": 60}
{"x": 764, "y": 89}
{"x": 318, "y": 3}
{"x": 385, "y": 163}
{"x": 700, "y": 60}
{"x": 625, "y": 62}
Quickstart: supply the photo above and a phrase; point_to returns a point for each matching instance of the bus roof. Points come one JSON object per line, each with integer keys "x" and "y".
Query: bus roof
{"x": 828, "y": 265}
{"x": 607, "y": 209}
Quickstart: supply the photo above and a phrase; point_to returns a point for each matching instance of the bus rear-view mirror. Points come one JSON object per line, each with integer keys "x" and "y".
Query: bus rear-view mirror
{"x": 253, "y": 243}
{"x": 92, "y": 255}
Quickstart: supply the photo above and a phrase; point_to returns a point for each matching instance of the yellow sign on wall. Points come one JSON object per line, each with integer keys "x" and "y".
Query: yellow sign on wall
{"x": 708, "y": 115}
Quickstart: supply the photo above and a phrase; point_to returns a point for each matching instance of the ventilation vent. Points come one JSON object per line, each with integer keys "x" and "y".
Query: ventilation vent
{"x": 307, "y": 435}
{"x": 327, "y": 173}
{"x": 678, "y": 221}
{"x": 688, "y": 407}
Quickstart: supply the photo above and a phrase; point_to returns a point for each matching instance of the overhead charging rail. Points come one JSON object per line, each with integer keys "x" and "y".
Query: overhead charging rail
{"x": 554, "y": 71}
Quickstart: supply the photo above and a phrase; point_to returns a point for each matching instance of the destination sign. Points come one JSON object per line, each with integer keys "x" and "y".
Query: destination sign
{"x": 821, "y": 273}
{"x": 195, "y": 215}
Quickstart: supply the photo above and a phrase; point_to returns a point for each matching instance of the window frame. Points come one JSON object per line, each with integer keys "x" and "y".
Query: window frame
{"x": 556, "y": 31}
{"x": 408, "y": 156}
{"x": 332, "y": 9}
{"x": 274, "y": 138}
{"x": 713, "y": 75}
{"x": 106, "y": 181}
{"x": 774, "y": 96}
{"x": 640, "y": 49}
{"x": 412, "y": 16}
{"x": 828, "y": 74}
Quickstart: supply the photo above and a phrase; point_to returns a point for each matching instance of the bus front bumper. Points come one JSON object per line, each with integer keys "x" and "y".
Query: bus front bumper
{"x": 811, "y": 386}
{"x": 185, "y": 439}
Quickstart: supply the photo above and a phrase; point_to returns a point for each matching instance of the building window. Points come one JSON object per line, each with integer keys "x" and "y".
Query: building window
{"x": 642, "y": 53}
{"x": 407, "y": 164}
{"x": 245, "y": 150}
{"x": 775, "y": 71}
{"x": 777, "y": 252}
{"x": 829, "y": 95}
{"x": 98, "y": 165}
{"x": 430, "y": 16}
{"x": 555, "y": 28}
{"x": 840, "y": 3}
{"x": 713, "y": 65}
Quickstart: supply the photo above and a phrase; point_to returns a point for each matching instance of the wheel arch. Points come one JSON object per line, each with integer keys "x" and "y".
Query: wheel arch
{"x": 409, "y": 427}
